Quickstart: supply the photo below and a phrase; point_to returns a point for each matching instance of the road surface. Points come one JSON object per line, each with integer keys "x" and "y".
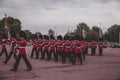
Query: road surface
{"x": 106, "y": 67}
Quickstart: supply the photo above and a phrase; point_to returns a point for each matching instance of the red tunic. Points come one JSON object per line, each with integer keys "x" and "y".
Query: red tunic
{"x": 22, "y": 45}
{"x": 52, "y": 45}
{"x": 100, "y": 45}
{"x": 13, "y": 42}
{"x": 78, "y": 48}
{"x": 86, "y": 45}
{"x": 34, "y": 43}
{"x": 40, "y": 44}
{"x": 45, "y": 43}
{"x": 83, "y": 46}
{"x": 68, "y": 46}
{"x": 59, "y": 45}
{"x": 4, "y": 43}
{"x": 93, "y": 44}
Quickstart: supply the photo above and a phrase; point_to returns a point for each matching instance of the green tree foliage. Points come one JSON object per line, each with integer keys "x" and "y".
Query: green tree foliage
{"x": 90, "y": 33}
{"x": 14, "y": 26}
{"x": 29, "y": 35}
{"x": 80, "y": 27}
{"x": 112, "y": 33}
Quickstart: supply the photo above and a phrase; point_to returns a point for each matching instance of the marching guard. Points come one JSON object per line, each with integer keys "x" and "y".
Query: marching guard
{"x": 67, "y": 49}
{"x": 59, "y": 47}
{"x": 4, "y": 50}
{"x": 45, "y": 47}
{"x": 83, "y": 49}
{"x": 12, "y": 51}
{"x": 22, "y": 54}
{"x": 86, "y": 47}
{"x": 40, "y": 44}
{"x": 93, "y": 47}
{"x": 77, "y": 50}
{"x": 100, "y": 46}
{"x": 52, "y": 47}
{"x": 34, "y": 49}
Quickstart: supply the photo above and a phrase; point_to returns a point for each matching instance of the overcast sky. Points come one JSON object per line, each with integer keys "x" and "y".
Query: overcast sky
{"x": 42, "y": 15}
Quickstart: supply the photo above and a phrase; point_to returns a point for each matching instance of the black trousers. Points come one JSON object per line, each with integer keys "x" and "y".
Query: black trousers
{"x": 50, "y": 54}
{"x": 100, "y": 52}
{"x": 86, "y": 51}
{"x": 65, "y": 55}
{"x": 58, "y": 53}
{"x": 34, "y": 50}
{"x": 93, "y": 51}
{"x": 83, "y": 54}
{"x": 18, "y": 61}
{"x": 4, "y": 51}
{"x": 10, "y": 55}
{"x": 45, "y": 53}
{"x": 39, "y": 52}
{"x": 79, "y": 55}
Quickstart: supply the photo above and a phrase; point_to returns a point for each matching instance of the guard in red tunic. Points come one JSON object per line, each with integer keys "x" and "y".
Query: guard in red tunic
{"x": 86, "y": 47}
{"x": 59, "y": 47}
{"x": 4, "y": 50}
{"x": 83, "y": 49}
{"x": 77, "y": 52}
{"x": 52, "y": 47}
{"x": 67, "y": 49}
{"x": 93, "y": 47}
{"x": 100, "y": 46}
{"x": 45, "y": 47}
{"x": 34, "y": 49}
{"x": 22, "y": 54}
{"x": 40, "y": 44}
{"x": 12, "y": 50}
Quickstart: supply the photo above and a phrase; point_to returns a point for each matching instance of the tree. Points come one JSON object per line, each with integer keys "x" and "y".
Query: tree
{"x": 14, "y": 26}
{"x": 80, "y": 27}
{"x": 112, "y": 33}
{"x": 96, "y": 29}
{"x": 28, "y": 34}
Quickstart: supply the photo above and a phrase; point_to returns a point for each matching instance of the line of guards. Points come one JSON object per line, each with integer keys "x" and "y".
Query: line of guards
{"x": 70, "y": 47}
{"x": 60, "y": 49}
{"x": 67, "y": 47}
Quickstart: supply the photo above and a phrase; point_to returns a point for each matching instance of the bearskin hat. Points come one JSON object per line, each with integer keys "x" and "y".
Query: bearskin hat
{"x": 41, "y": 36}
{"x": 46, "y": 37}
{"x": 35, "y": 36}
{"x": 52, "y": 37}
{"x": 66, "y": 37}
{"x": 59, "y": 37}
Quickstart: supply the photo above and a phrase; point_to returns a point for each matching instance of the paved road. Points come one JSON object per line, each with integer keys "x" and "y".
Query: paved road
{"x": 106, "y": 67}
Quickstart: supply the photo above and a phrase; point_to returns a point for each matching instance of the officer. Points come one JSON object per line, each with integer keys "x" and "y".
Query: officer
{"x": 52, "y": 47}
{"x": 59, "y": 47}
{"x": 100, "y": 46}
{"x": 67, "y": 49}
{"x": 45, "y": 47}
{"x": 34, "y": 49}
{"x": 40, "y": 44}
{"x": 22, "y": 54}
{"x": 93, "y": 47}
{"x": 4, "y": 50}
{"x": 77, "y": 52}
{"x": 12, "y": 50}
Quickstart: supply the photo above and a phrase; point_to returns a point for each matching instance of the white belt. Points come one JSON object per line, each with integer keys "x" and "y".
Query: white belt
{"x": 21, "y": 47}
